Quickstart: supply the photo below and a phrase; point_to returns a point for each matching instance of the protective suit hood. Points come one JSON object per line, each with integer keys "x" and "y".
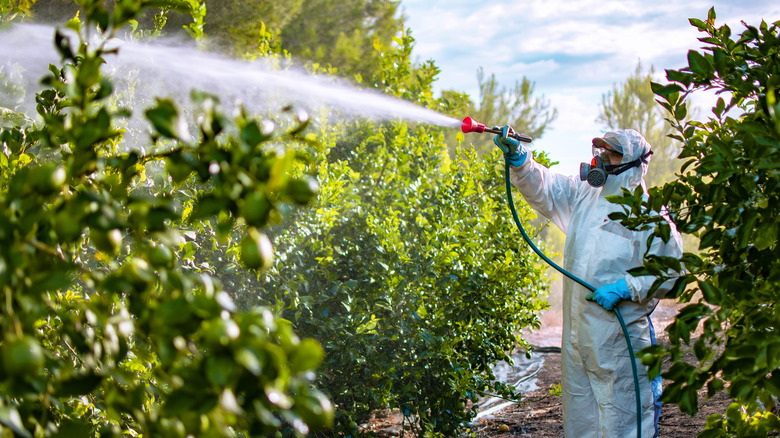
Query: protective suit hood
{"x": 634, "y": 147}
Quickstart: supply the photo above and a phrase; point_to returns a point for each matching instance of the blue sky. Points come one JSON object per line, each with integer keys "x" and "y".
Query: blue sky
{"x": 574, "y": 51}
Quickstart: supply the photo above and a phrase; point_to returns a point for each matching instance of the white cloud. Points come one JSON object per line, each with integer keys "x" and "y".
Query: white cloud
{"x": 535, "y": 69}
{"x": 569, "y": 137}
{"x": 573, "y": 50}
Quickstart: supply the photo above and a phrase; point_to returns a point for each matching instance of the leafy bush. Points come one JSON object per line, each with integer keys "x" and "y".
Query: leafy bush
{"x": 726, "y": 195}
{"x": 109, "y": 327}
{"x": 410, "y": 275}
{"x": 407, "y": 269}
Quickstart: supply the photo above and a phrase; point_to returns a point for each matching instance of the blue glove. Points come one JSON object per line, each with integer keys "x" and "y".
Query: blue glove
{"x": 609, "y": 295}
{"x": 513, "y": 152}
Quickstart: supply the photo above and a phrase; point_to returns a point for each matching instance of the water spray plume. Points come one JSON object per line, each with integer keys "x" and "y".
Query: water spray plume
{"x": 165, "y": 68}
{"x": 471, "y": 125}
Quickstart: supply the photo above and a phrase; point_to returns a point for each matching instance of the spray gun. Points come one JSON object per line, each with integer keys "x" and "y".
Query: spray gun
{"x": 471, "y": 125}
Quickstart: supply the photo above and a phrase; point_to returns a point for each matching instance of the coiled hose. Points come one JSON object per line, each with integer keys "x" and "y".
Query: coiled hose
{"x": 583, "y": 284}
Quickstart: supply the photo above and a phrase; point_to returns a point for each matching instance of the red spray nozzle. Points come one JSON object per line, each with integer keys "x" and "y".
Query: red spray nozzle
{"x": 471, "y": 125}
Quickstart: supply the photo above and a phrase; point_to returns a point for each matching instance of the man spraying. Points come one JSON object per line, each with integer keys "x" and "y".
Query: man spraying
{"x": 597, "y": 377}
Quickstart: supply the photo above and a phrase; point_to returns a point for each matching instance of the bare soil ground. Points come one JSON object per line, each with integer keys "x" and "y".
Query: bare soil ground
{"x": 539, "y": 414}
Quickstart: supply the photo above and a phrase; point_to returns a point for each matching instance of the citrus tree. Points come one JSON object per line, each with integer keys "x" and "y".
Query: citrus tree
{"x": 343, "y": 34}
{"x": 109, "y": 327}
{"x": 727, "y": 196}
{"x": 407, "y": 269}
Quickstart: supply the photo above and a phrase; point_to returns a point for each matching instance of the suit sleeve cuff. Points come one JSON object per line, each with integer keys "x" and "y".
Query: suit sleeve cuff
{"x": 635, "y": 287}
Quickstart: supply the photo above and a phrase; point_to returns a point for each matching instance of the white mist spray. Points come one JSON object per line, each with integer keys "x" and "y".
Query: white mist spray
{"x": 167, "y": 70}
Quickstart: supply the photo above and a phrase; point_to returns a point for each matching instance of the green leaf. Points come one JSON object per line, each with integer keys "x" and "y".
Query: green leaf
{"x": 746, "y": 228}
{"x": 714, "y": 386}
{"x": 679, "y": 76}
{"x": 206, "y": 207}
{"x": 766, "y": 235}
{"x": 680, "y": 112}
{"x": 307, "y": 356}
{"x": 219, "y": 369}
{"x": 177, "y": 5}
{"x": 710, "y": 238}
{"x": 699, "y": 63}
{"x": 689, "y": 402}
{"x": 10, "y": 418}
{"x": 179, "y": 402}
{"x": 669, "y": 92}
{"x": 62, "y": 43}
{"x": 79, "y": 385}
{"x": 692, "y": 261}
{"x": 99, "y": 16}
{"x": 70, "y": 427}
{"x": 74, "y": 23}
{"x": 166, "y": 121}
{"x": 251, "y": 134}
{"x": 740, "y": 389}
{"x": 249, "y": 360}
{"x": 698, "y": 23}
{"x": 712, "y": 294}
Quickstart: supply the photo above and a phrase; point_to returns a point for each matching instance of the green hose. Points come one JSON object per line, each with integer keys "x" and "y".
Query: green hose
{"x": 585, "y": 285}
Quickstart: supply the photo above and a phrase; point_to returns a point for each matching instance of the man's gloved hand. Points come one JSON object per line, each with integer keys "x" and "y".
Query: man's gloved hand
{"x": 513, "y": 152}
{"x": 609, "y": 295}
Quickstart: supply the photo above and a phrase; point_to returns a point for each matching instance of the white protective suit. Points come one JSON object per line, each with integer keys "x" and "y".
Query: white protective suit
{"x": 597, "y": 379}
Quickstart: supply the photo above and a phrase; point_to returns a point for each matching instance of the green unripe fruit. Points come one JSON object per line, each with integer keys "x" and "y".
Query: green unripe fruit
{"x": 67, "y": 227}
{"x": 315, "y": 410}
{"x": 301, "y": 191}
{"x": 161, "y": 256}
{"x": 138, "y": 273}
{"x": 107, "y": 241}
{"x": 257, "y": 252}
{"x": 22, "y": 356}
{"x": 256, "y": 209}
{"x": 48, "y": 178}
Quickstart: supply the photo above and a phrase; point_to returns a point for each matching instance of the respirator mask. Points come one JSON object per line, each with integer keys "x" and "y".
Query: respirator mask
{"x": 596, "y": 172}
